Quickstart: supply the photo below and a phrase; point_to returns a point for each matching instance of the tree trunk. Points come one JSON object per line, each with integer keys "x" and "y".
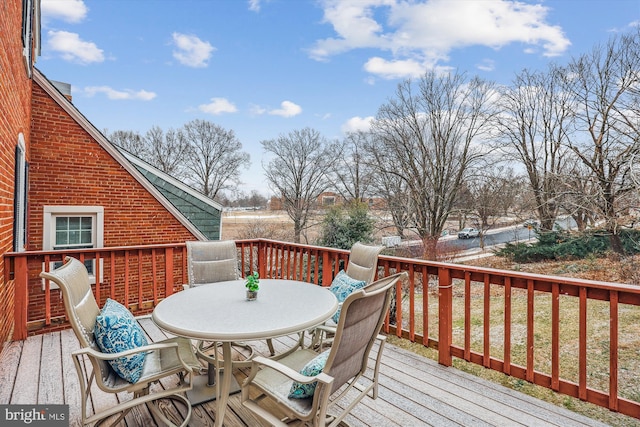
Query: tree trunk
{"x": 616, "y": 243}
{"x": 429, "y": 244}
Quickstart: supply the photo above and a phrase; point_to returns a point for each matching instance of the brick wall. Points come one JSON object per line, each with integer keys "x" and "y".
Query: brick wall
{"x": 68, "y": 167}
{"x": 15, "y": 90}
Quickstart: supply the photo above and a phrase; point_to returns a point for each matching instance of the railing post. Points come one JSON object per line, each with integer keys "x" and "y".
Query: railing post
{"x": 262, "y": 259}
{"x": 445, "y": 316}
{"x": 21, "y": 298}
{"x": 327, "y": 274}
{"x": 168, "y": 272}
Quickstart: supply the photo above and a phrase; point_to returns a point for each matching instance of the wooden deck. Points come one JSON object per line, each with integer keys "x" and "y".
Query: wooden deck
{"x": 415, "y": 391}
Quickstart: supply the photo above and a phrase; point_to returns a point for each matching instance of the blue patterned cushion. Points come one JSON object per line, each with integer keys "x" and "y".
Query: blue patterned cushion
{"x": 117, "y": 330}
{"x": 342, "y": 286}
{"x": 311, "y": 369}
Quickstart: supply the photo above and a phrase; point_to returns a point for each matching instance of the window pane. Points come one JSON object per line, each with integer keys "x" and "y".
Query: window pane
{"x": 62, "y": 223}
{"x": 73, "y": 231}
{"x": 85, "y": 236}
{"x": 74, "y": 223}
{"x": 89, "y": 265}
{"x": 62, "y": 238}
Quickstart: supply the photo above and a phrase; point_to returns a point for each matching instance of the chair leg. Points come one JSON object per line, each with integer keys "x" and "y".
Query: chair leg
{"x": 158, "y": 413}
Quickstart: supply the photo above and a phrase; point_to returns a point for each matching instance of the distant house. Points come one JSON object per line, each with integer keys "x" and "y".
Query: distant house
{"x": 62, "y": 183}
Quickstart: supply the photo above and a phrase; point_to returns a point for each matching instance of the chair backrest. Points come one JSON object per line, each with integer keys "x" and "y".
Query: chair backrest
{"x": 79, "y": 303}
{"x": 361, "y": 318}
{"x": 212, "y": 261}
{"x": 363, "y": 262}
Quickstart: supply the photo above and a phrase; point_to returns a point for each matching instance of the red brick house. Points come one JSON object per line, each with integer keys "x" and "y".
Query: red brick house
{"x": 62, "y": 183}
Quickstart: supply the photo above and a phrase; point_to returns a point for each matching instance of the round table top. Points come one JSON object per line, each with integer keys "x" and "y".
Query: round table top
{"x": 220, "y": 311}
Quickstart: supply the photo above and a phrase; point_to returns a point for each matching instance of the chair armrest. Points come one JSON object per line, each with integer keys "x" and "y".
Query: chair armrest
{"x": 326, "y": 328}
{"x": 143, "y": 316}
{"x": 110, "y": 356}
{"x": 260, "y": 361}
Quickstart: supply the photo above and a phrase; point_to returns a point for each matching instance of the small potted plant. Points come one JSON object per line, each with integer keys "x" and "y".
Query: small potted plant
{"x": 252, "y": 285}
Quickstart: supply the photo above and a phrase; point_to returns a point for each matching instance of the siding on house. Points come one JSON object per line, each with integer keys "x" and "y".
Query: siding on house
{"x": 15, "y": 102}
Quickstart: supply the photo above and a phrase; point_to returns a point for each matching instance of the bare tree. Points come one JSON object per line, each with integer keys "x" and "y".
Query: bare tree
{"x": 130, "y": 140}
{"x": 580, "y": 195}
{"x": 215, "y": 156}
{"x": 430, "y": 136}
{"x": 296, "y": 172}
{"x": 168, "y": 151}
{"x": 493, "y": 190}
{"x": 605, "y": 85}
{"x": 351, "y": 176}
{"x": 533, "y": 129}
{"x": 389, "y": 184}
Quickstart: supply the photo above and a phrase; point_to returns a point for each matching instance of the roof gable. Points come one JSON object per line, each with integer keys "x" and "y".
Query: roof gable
{"x": 105, "y": 144}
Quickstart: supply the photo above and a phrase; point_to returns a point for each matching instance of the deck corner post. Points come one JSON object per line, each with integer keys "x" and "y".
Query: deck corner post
{"x": 21, "y": 298}
{"x": 445, "y": 316}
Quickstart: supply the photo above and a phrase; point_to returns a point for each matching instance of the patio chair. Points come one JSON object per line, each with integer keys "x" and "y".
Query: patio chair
{"x": 363, "y": 262}
{"x": 362, "y": 266}
{"x": 211, "y": 262}
{"x": 163, "y": 359}
{"x": 289, "y": 382}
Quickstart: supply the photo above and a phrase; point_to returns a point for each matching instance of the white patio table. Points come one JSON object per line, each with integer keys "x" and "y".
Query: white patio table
{"x": 220, "y": 312}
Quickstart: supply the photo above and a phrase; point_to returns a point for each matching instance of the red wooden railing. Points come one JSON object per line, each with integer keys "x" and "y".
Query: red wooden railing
{"x": 449, "y": 307}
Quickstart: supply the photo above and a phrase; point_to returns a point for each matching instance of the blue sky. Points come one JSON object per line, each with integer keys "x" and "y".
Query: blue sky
{"x": 266, "y": 67}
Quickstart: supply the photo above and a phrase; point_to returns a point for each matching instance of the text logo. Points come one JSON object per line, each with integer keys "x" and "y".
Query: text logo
{"x": 34, "y": 415}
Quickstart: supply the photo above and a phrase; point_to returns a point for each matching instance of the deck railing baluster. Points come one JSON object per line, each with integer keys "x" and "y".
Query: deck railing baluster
{"x": 507, "y": 326}
{"x": 530, "y": 331}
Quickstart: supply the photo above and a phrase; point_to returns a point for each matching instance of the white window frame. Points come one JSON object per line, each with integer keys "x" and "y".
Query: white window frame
{"x": 27, "y": 35}
{"x": 20, "y": 194}
{"x": 49, "y": 229}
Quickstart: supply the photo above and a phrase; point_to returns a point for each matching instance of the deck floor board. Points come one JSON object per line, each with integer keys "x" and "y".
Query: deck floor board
{"x": 414, "y": 391}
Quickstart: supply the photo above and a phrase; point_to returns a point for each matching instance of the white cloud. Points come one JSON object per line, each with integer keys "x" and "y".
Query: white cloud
{"x": 355, "y": 124}
{"x": 394, "y": 69}
{"x": 424, "y": 33}
{"x": 486, "y": 65}
{"x": 257, "y": 110}
{"x": 141, "y": 95}
{"x": 72, "y": 11}
{"x": 191, "y": 51}
{"x": 73, "y": 49}
{"x": 218, "y": 106}
{"x": 287, "y": 109}
{"x": 254, "y": 5}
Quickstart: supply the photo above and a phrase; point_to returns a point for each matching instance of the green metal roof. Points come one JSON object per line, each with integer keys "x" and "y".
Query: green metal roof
{"x": 201, "y": 211}
{"x": 203, "y": 216}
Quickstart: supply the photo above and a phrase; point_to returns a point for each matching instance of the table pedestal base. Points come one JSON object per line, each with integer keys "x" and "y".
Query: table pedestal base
{"x": 203, "y": 392}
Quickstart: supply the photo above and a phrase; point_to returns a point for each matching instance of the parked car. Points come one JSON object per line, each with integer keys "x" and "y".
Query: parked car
{"x": 468, "y": 233}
